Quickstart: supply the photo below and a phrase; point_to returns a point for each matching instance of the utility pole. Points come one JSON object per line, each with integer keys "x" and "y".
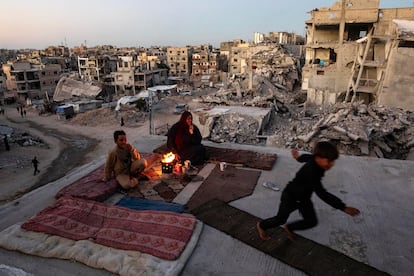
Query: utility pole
{"x": 151, "y": 119}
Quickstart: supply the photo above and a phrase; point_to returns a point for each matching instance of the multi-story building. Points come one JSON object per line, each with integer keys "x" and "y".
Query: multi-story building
{"x": 204, "y": 63}
{"x": 132, "y": 76}
{"x": 179, "y": 61}
{"x": 23, "y": 78}
{"x": 31, "y": 81}
{"x": 358, "y": 52}
{"x": 238, "y": 58}
{"x": 88, "y": 68}
{"x": 49, "y": 78}
{"x": 224, "y": 57}
{"x": 157, "y": 55}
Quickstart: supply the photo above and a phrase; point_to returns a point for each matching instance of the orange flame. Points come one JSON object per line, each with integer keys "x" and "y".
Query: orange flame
{"x": 168, "y": 158}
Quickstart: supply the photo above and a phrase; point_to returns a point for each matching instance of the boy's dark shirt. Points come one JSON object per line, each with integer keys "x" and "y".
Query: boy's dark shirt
{"x": 308, "y": 180}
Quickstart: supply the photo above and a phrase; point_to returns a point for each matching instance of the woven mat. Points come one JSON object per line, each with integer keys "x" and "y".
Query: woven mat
{"x": 247, "y": 158}
{"x": 227, "y": 185}
{"x": 304, "y": 254}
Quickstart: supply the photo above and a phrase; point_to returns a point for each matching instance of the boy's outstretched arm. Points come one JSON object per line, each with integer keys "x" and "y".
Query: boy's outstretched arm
{"x": 302, "y": 158}
{"x": 295, "y": 153}
{"x": 351, "y": 211}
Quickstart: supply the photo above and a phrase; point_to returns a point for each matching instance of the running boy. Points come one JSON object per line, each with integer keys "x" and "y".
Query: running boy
{"x": 298, "y": 192}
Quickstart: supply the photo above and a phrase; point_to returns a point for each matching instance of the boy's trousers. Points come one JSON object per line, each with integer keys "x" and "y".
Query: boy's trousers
{"x": 287, "y": 206}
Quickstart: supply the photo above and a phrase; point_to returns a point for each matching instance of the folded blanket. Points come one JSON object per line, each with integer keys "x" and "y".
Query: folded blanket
{"x": 159, "y": 233}
{"x": 147, "y": 204}
{"x": 122, "y": 262}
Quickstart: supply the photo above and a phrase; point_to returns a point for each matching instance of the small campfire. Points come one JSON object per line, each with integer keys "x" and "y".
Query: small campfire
{"x": 167, "y": 162}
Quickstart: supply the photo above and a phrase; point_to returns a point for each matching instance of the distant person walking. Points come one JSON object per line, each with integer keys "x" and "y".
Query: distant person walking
{"x": 21, "y": 112}
{"x": 6, "y": 143}
{"x": 122, "y": 121}
{"x": 24, "y": 112}
{"x": 35, "y": 163}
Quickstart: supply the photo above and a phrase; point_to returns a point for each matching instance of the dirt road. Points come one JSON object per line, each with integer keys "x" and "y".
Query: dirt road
{"x": 66, "y": 146}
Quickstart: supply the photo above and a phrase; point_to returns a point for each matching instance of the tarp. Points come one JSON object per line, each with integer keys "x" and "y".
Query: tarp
{"x": 67, "y": 88}
{"x": 126, "y": 100}
{"x": 162, "y": 87}
{"x": 132, "y": 99}
{"x": 405, "y": 28}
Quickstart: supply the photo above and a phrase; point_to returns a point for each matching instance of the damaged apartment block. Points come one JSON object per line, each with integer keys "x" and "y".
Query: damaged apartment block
{"x": 358, "y": 52}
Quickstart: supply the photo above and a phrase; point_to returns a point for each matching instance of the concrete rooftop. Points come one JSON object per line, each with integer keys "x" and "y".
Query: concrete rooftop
{"x": 381, "y": 236}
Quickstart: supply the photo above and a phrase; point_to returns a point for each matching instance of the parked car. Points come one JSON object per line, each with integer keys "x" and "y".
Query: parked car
{"x": 185, "y": 93}
{"x": 180, "y": 108}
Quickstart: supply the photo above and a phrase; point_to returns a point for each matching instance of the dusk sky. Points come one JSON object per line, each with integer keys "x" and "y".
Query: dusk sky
{"x": 131, "y": 23}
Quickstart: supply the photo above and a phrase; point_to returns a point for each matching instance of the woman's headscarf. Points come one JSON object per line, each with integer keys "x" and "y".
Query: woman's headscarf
{"x": 182, "y": 129}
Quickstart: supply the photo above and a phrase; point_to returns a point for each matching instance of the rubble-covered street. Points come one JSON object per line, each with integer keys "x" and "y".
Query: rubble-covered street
{"x": 358, "y": 129}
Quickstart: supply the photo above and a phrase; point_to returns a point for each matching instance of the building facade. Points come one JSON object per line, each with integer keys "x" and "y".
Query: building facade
{"x": 179, "y": 61}
{"x": 354, "y": 53}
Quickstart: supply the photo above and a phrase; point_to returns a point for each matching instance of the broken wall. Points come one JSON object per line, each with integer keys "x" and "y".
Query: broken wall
{"x": 355, "y": 11}
{"x": 331, "y": 77}
{"x": 326, "y": 35}
{"x": 398, "y": 88}
{"x": 320, "y": 97}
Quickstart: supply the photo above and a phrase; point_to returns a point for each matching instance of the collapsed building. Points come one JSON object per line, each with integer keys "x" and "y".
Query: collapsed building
{"x": 357, "y": 85}
{"x": 356, "y": 51}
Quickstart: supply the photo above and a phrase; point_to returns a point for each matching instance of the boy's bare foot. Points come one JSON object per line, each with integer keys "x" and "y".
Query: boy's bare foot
{"x": 290, "y": 234}
{"x": 262, "y": 233}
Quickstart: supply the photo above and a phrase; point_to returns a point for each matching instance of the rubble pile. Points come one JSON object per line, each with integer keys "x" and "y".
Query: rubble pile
{"x": 275, "y": 73}
{"x": 235, "y": 129}
{"x": 357, "y": 129}
{"x": 19, "y": 137}
{"x": 278, "y": 67}
{"x": 106, "y": 116}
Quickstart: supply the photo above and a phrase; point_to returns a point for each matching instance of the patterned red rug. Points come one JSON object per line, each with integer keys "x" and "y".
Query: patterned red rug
{"x": 159, "y": 233}
{"x": 90, "y": 187}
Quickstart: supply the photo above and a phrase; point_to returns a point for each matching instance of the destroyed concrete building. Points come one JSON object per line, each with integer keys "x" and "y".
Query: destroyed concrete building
{"x": 266, "y": 78}
{"x": 204, "y": 63}
{"x": 356, "y": 51}
{"x": 179, "y": 61}
{"x": 31, "y": 81}
{"x": 121, "y": 75}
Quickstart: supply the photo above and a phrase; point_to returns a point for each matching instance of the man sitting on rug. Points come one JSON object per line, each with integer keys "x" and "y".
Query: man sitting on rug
{"x": 298, "y": 192}
{"x": 184, "y": 138}
{"x": 124, "y": 162}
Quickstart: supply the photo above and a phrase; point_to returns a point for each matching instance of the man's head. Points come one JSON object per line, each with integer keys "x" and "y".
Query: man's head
{"x": 120, "y": 138}
{"x": 325, "y": 154}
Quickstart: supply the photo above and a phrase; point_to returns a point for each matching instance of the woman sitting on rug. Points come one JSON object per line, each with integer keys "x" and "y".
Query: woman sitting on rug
{"x": 184, "y": 139}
